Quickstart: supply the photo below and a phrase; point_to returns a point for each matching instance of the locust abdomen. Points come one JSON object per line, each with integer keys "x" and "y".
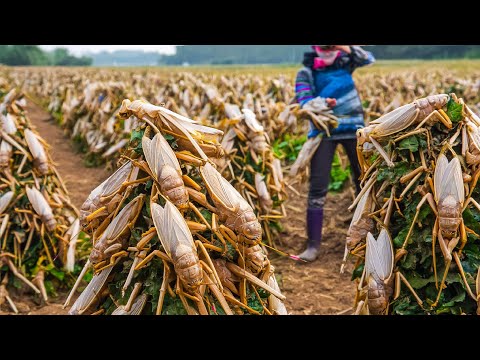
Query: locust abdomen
{"x": 173, "y": 187}
{"x": 187, "y": 266}
{"x": 379, "y": 293}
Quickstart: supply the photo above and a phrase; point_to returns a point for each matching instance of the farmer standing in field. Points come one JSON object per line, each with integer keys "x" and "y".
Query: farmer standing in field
{"x": 327, "y": 79}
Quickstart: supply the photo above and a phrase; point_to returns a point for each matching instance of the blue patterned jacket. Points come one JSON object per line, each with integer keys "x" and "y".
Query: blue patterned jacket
{"x": 335, "y": 81}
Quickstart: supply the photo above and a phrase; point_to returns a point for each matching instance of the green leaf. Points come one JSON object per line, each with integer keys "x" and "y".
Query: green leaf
{"x": 408, "y": 262}
{"x": 49, "y": 288}
{"x": 417, "y": 282}
{"x": 471, "y": 220}
{"x": 410, "y": 143}
{"x": 400, "y": 238}
{"x": 454, "y": 110}
{"x": 57, "y": 273}
{"x": 357, "y": 272}
{"x": 136, "y": 140}
{"x": 88, "y": 276}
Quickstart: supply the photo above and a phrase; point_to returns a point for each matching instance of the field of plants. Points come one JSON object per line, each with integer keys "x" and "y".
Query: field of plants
{"x": 183, "y": 191}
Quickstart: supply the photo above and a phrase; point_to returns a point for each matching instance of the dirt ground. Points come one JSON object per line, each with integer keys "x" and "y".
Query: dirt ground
{"x": 316, "y": 288}
{"x": 311, "y": 289}
{"x": 79, "y": 180}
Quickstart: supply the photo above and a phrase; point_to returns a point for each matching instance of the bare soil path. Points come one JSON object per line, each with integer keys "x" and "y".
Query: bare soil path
{"x": 317, "y": 288}
{"x": 79, "y": 180}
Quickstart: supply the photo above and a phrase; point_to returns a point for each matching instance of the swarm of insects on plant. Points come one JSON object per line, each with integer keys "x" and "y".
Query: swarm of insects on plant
{"x": 170, "y": 234}
{"x": 415, "y": 233}
{"x": 39, "y": 228}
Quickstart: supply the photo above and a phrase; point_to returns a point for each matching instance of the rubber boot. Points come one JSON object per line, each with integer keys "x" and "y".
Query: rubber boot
{"x": 314, "y": 231}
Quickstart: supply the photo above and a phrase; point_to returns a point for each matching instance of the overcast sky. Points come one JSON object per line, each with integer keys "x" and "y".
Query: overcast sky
{"x": 82, "y": 49}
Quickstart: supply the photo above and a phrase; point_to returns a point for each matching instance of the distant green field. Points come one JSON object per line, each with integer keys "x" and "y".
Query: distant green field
{"x": 381, "y": 66}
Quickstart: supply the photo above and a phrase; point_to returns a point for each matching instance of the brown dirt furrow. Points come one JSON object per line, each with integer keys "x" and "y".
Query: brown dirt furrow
{"x": 316, "y": 288}
{"x": 79, "y": 180}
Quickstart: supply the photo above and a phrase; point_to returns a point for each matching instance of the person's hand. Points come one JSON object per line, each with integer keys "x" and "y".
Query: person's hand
{"x": 319, "y": 104}
{"x": 331, "y": 102}
{"x": 345, "y": 48}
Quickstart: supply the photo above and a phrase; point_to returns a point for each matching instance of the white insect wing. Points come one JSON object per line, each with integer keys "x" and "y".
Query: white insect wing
{"x": 38, "y": 201}
{"x": 396, "y": 121}
{"x": 74, "y": 232}
{"x": 5, "y": 201}
{"x": 149, "y": 154}
{"x": 114, "y": 182}
{"x": 438, "y": 176}
{"x": 121, "y": 220}
{"x": 391, "y": 114}
{"x": 9, "y": 123}
{"x": 361, "y": 206}
{"x": 158, "y": 214}
{"x": 452, "y": 182}
{"x": 178, "y": 232}
{"x": 221, "y": 187}
{"x": 379, "y": 256}
{"x": 90, "y": 293}
{"x": 277, "y": 305}
{"x": 34, "y": 145}
{"x": 136, "y": 308}
{"x": 164, "y": 153}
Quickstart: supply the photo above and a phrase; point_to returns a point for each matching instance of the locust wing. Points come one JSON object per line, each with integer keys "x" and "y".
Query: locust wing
{"x": 379, "y": 256}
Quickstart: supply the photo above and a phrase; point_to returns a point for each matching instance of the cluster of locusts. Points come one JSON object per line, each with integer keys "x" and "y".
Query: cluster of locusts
{"x": 415, "y": 231}
{"x": 170, "y": 234}
{"x": 39, "y": 228}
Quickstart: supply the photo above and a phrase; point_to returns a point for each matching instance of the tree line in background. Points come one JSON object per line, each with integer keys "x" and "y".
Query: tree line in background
{"x": 19, "y": 55}
{"x": 293, "y": 54}
{"x": 218, "y": 55}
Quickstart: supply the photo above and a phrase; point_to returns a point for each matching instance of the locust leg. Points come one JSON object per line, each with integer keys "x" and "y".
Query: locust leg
{"x": 163, "y": 289}
{"x": 136, "y": 289}
{"x": 77, "y": 283}
{"x": 445, "y": 121}
{"x": 464, "y": 141}
{"x": 367, "y": 186}
{"x": 199, "y": 214}
{"x": 131, "y": 271}
{"x": 442, "y": 284}
{"x": 382, "y": 152}
{"x": 463, "y": 237}
{"x": 232, "y": 299}
{"x": 361, "y": 160}
{"x": 201, "y": 305}
{"x": 150, "y": 256}
{"x": 462, "y": 273}
{"x": 399, "y": 276}
{"x": 410, "y": 184}
{"x": 244, "y": 274}
{"x": 359, "y": 308}
{"x": 469, "y": 198}
{"x": 210, "y": 263}
{"x": 181, "y": 294}
{"x": 112, "y": 260}
{"x": 434, "y": 240}
{"x": 218, "y": 294}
